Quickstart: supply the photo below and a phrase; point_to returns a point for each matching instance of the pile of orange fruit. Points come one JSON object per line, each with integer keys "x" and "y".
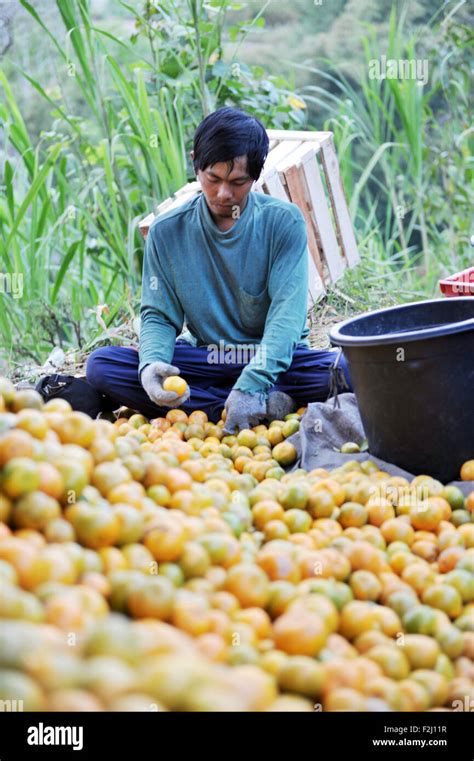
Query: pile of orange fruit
{"x": 164, "y": 565}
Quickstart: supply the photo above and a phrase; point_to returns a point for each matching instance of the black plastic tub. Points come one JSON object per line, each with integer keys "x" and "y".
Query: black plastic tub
{"x": 412, "y": 369}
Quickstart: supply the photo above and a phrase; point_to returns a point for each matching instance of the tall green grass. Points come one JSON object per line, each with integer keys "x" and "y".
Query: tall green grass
{"x": 406, "y": 167}
{"x": 68, "y": 217}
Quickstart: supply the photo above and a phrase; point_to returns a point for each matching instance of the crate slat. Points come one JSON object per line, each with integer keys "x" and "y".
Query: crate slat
{"x": 176, "y": 202}
{"x": 280, "y": 152}
{"x": 191, "y": 187}
{"x": 322, "y": 219}
{"x": 284, "y": 135}
{"x": 298, "y": 196}
{"x": 305, "y": 156}
{"x": 274, "y": 186}
{"x": 316, "y": 287}
{"x": 144, "y": 224}
{"x": 294, "y": 158}
{"x": 339, "y": 204}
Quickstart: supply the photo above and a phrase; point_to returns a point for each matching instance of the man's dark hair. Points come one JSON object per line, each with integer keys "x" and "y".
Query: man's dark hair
{"x": 226, "y": 134}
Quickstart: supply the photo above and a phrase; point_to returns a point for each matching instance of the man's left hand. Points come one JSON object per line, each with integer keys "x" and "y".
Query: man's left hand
{"x": 244, "y": 410}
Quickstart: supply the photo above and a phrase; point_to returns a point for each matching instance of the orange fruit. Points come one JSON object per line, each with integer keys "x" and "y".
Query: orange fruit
{"x": 391, "y": 660}
{"x": 194, "y": 560}
{"x": 75, "y": 428}
{"x": 191, "y": 613}
{"x": 74, "y": 476}
{"x": 317, "y": 603}
{"x": 131, "y": 493}
{"x": 14, "y": 444}
{"x": 247, "y": 438}
{"x": 418, "y": 575}
{"x": 35, "y": 510}
{"x": 52, "y": 563}
{"x": 369, "y": 639}
{"x": 466, "y": 532}
{"x": 175, "y": 383}
{"x": 379, "y": 510}
{"x": 24, "y": 398}
{"x": 6, "y": 507}
{"x": 32, "y": 421}
{"x": 153, "y": 598}
{"x": 325, "y": 564}
{"x": 353, "y": 514}
{"x": 59, "y": 530}
{"x": 108, "y": 475}
{"x": 165, "y": 540}
{"x": 425, "y": 549}
{"x": 249, "y": 584}
{"x": 467, "y": 471}
{"x": 421, "y": 619}
{"x": 321, "y": 501}
{"x": 300, "y": 633}
{"x": 449, "y": 557}
{"x": 131, "y": 524}
{"x": 397, "y": 530}
{"x": 51, "y": 481}
{"x": 436, "y": 685}
{"x": 57, "y": 405}
{"x": 294, "y": 496}
{"x": 335, "y": 488}
{"x": 20, "y": 476}
{"x": 351, "y": 673}
{"x": 363, "y": 555}
{"x": 213, "y": 646}
{"x": 422, "y": 651}
{"x": 365, "y": 585}
{"x": 443, "y": 597}
{"x": 417, "y": 695}
{"x": 298, "y": 522}
{"x": 356, "y": 617}
{"x": 66, "y": 612}
{"x": 102, "y": 449}
{"x": 284, "y": 453}
{"x": 275, "y": 529}
{"x": 7, "y": 390}
{"x": 257, "y": 618}
{"x": 265, "y": 511}
{"x": 345, "y": 699}
{"x": 427, "y": 514}
{"x": 281, "y": 594}
{"x": 302, "y": 675}
{"x": 95, "y": 527}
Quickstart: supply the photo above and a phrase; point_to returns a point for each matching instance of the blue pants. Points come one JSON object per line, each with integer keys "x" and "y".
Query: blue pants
{"x": 113, "y": 370}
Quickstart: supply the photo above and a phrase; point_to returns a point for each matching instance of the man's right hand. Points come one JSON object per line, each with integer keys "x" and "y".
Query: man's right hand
{"x": 152, "y": 377}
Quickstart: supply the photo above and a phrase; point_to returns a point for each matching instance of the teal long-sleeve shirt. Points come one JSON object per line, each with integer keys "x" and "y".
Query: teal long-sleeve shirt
{"x": 244, "y": 286}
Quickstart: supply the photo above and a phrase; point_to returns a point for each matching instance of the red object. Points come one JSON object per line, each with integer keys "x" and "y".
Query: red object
{"x": 460, "y": 284}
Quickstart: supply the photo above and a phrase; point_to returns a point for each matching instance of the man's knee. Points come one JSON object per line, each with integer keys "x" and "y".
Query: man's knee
{"x": 97, "y": 368}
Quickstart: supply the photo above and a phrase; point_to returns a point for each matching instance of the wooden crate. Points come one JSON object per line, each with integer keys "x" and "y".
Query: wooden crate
{"x": 302, "y": 168}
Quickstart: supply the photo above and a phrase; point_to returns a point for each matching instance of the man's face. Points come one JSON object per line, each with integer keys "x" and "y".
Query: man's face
{"x": 226, "y": 191}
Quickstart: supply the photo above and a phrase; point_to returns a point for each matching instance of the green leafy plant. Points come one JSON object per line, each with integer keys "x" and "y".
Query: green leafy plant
{"x": 72, "y": 197}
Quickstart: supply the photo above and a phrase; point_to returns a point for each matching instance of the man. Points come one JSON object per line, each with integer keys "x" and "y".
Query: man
{"x": 233, "y": 265}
